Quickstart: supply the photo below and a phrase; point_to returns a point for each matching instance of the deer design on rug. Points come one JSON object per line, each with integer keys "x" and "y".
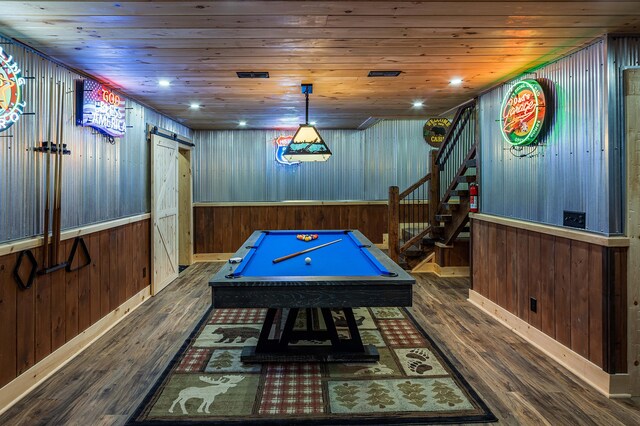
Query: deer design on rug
{"x": 207, "y": 393}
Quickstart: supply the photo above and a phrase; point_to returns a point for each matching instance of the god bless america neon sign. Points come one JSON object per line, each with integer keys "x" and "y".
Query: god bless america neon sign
{"x": 100, "y": 108}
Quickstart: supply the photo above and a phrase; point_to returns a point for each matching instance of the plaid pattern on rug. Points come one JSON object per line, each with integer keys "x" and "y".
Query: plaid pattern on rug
{"x": 292, "y": 389}
{"x": 413, "y": 382}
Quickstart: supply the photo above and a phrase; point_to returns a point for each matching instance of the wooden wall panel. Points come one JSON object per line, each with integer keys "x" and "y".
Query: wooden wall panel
{"x": 546, "y": 302}
{"x": 580, "y": 288}
{"x": 534, "y": 278}
{"x": 222, "y": 229}
{"x": 8, "y": 295}
{"x": 71, "y": 298}
{"x": 523, "y": 273}
{"x": 60, "y": 305}
{"x": 596, "y": 305}
{"x": 580, "y": 298}
{"x": 511, "y": 271}
{"x": 562, "y": 294}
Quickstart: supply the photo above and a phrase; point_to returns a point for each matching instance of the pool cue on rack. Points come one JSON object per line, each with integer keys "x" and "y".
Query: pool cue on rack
{"x": 58, "y": 182}
{"x": 289, "y": 256}
{"x": 47, "y": 202}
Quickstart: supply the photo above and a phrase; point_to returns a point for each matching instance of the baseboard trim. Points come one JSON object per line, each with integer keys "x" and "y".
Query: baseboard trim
{"x": 19, "y": 387}
{"x": 441, "y": 271}
{"x": 610, "y": 385}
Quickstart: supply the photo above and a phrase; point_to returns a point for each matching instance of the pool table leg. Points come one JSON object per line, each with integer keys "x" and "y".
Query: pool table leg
{"x": 264, "y": 344}
{"x": 355, "y": 343}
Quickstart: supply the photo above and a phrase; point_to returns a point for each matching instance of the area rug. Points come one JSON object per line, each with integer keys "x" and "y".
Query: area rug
{"x": 412, "y": 383}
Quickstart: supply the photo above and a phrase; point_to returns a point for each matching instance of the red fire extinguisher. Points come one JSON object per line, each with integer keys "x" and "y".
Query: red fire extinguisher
{"x": 473, "y": 198}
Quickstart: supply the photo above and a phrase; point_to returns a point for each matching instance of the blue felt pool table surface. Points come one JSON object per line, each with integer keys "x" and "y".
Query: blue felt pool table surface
{"x": 347, "y": 257}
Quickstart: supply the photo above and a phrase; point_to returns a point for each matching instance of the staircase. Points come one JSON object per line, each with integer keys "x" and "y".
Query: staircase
{"x": 432, "y": 215}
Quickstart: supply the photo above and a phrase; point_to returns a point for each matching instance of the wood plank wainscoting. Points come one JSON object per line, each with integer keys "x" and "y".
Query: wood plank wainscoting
{"x": 579, "y": 284}
{"x": 220, "y": 228}
{"x": 46, "y": 325}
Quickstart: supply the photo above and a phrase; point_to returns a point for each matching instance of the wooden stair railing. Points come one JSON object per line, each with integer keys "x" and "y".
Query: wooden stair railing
{"x": 409, "y": 218}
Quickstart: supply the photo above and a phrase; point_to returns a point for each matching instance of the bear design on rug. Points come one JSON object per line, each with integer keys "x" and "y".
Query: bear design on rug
{"x": 233, "y": 335}
{"x": 206, "y": 393}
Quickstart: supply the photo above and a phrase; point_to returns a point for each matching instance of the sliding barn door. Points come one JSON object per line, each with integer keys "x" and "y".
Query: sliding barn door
{"x": 164, "y": 211}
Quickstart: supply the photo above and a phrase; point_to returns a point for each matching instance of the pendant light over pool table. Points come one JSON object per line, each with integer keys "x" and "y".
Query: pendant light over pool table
{"x": 307, "y": 144}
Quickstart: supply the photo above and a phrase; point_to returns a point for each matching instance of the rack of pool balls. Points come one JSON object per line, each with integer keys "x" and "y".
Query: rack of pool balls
{"x": 307, "y": 237}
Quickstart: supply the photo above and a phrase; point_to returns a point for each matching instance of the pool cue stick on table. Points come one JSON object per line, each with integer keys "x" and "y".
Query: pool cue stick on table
{"x": 289, "y": 256}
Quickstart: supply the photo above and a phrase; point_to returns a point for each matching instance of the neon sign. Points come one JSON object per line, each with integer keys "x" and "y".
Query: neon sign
{"x": 100, "y": 108}
{"x": 11, "y": 82}
{"x": 281, "y": 144}
{"x": 523, "y": 112}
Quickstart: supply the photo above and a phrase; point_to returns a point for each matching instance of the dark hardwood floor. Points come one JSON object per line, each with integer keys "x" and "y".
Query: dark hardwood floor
{"x": 105, "y": 383}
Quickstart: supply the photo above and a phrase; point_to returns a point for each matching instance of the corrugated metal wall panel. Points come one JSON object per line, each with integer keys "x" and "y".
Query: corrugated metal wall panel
{"x": 622, "y": 53}
{"x": 101, "y": 181}
{"x": 569, "y": 170}
{"x": 239, "y": 165}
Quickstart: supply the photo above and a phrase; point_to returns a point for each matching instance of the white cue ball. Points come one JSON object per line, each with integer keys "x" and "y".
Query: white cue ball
{"x": 307, "y": 260}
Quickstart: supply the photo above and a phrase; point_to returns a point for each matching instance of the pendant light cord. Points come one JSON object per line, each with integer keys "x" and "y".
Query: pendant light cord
{"x": 307, "y": 110}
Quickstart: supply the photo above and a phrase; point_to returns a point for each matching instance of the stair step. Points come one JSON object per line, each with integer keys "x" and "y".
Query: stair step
{"x": 429, "y": 241}
{"x": 452, "y": 207}
{"x": 471, "y": 162}
{"x": 466, "y": 179}
{"x": 460, "y": 193}
{"x": 443, "y": 217}
{"x": 413, "y": 252}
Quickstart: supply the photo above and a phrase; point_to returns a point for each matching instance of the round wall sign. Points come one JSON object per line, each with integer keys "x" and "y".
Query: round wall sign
{"x": 523, "y": 113}
{"x": 11, "y": 103}
{"x": 434, "y": 130}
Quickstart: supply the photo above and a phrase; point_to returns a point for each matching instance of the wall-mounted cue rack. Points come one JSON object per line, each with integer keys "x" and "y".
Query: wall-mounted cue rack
{"x": 54, "y": 147}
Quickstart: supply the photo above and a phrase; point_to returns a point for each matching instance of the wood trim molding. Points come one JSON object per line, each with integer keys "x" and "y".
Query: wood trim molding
{"x": 288, "y": 203}
{"x": 428, "y": 265}
{"x": 212, "y": 257}
{"x": 611, "y": 385}
{"x": 27, "y": 381}
{"x": 29, "y": 243}
{"x": 571, "y": 234}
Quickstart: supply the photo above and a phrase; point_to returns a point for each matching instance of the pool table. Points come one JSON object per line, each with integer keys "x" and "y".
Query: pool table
{"x": 350, "y": 272}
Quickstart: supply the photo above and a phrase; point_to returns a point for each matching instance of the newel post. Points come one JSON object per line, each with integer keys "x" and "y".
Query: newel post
{"x": 394, "y": 224}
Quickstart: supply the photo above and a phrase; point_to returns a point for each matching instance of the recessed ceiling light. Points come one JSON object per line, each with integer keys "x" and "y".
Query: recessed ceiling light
{"x": 164, "y": 83}
{"x": 242, "y": 123}
{"x": 455, "y": 81}
{"x": 418, "y": 104}
{"x": 313, "y": 123}
{"x": 194, "y": 106}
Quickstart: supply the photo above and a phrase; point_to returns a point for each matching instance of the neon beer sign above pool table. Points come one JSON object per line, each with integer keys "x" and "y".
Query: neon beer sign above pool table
{"x": 523, "y": 113}
{"x": 100, "y": 108}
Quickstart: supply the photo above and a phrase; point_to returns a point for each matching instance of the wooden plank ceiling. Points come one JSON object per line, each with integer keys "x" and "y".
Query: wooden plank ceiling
{"x": 200, "y": 45}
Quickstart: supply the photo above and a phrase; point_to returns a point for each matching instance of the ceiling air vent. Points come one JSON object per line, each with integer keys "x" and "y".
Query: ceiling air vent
{"x": 384, "y": 73}
{"x": 252, "y": 74}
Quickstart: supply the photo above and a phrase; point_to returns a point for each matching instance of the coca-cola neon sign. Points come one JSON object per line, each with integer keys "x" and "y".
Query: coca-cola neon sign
{"x": 523, "y": 112}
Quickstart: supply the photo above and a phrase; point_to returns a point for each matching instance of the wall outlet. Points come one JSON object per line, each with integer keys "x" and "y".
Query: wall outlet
{"x": 534, "y": 304}
{"x": 574, "y": 219}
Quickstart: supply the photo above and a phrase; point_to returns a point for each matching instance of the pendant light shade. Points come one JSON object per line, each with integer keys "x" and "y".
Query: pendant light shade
{"x": 307, "y": 144}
